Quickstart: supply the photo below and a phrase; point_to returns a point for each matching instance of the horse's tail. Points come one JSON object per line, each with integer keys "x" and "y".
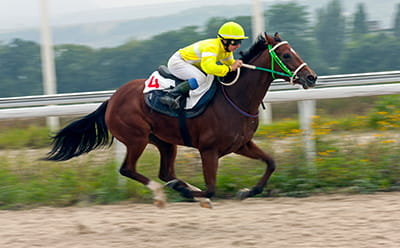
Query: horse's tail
{"x": 81, "y": 136}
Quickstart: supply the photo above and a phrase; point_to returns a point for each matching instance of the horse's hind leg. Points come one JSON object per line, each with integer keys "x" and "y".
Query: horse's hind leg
{"x": 251, "y": 150}
{"x": 128, "y": 169}
{"x": 167, "y": 158}
{"x": 167, "y": 171}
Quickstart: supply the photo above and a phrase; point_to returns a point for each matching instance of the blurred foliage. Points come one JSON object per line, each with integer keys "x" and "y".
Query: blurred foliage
{"x": 396, "y": 28}
{"x": 32, "y": 137}
{"x": 386, "y": 113}
{"x": 20, "y": 69}
{"x": 326, "y": 46}
{"x": 330, "y": 32}
{"x": 360, "y": 26}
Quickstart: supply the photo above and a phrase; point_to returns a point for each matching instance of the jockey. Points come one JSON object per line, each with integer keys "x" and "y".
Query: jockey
{"x": 193, "y": 62}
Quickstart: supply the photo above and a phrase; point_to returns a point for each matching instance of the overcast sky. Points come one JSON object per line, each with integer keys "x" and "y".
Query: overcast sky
{"x": 23, "y": 7}
{"x": 25, "y": 13}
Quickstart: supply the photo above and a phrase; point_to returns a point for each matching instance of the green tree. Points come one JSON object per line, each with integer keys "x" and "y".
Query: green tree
{"x": 20, "y": 69}
{"x": 72, "y": 68}
{"x": 291, "y": 20}
{"x": 396, "y": 28}
{"x": 360, "y": 25}
{"x": 371, "y": 53}
{"x": 329, "y": 33}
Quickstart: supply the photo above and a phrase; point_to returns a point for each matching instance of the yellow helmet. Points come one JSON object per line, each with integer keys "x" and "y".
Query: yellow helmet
{"x": 231, "y": 30}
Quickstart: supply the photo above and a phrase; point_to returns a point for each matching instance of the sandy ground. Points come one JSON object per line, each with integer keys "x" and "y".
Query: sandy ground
{"x": 318, "y": 221}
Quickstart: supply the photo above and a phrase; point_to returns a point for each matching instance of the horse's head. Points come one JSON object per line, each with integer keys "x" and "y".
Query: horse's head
{"x": 289, "y": 63}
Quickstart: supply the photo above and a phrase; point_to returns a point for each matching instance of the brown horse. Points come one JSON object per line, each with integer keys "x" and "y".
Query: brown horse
{"x": 227, "y": 125}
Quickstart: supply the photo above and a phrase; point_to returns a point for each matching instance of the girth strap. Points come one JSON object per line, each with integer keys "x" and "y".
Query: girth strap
{"x": 183, "y": 125}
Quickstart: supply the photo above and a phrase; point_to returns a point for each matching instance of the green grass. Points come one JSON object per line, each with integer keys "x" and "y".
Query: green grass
{"x": 33, "y": 137}
{"x": 349, "y": 168}
{"x": 27, "y": 183}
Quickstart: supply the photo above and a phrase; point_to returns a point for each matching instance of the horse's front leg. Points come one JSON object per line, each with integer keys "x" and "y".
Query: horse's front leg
{"x": 251, "y": 150}
{"x": 209, "y": 159}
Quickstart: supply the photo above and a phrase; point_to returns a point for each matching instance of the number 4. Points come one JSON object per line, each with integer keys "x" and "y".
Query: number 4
{"x": 153, "y": 83}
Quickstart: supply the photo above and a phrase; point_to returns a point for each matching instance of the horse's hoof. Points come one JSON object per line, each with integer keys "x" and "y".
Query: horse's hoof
{"x": 171, "y": 184}
{"x": 243, "y": 194}
{"x": 206, "y": 204}
{"x": 159, "y": 203}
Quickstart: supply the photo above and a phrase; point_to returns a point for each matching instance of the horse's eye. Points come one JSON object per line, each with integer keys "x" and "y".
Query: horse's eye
{"x": 286, "y": 56}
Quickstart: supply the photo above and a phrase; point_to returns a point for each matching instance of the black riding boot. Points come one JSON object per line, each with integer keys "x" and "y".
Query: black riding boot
{"x": 173, "y": 97}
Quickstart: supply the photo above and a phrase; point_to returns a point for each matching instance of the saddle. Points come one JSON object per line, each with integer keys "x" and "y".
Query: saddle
{"x": 164, "y": 71}
{"x": 152, "y": 96}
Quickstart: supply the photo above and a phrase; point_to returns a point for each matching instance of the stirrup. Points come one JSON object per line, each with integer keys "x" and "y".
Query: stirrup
{"x": 171, "y": 102}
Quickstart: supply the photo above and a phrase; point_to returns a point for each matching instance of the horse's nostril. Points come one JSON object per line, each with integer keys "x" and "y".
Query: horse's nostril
{"x": 311, "y": 78}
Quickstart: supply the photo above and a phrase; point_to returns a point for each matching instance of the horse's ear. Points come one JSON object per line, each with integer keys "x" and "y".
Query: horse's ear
{"x": 277, "y": 37}
{"x": 268, "y": 39}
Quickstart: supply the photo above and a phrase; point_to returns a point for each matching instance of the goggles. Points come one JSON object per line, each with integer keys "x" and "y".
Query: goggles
{"x": 234, "y": 42}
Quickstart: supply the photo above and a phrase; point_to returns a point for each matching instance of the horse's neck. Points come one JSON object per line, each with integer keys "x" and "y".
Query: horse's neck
{"x": 250, "y": 90}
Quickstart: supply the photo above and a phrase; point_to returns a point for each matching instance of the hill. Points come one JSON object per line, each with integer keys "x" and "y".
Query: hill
{"x": 112, "y": 27}
{"x": 113, "y": 33}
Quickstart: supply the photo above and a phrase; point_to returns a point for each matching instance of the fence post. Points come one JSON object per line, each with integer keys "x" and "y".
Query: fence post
{"x": 266, "y": 114}
{"x": 48, "y": 67}
{"x": 307, "y": 109}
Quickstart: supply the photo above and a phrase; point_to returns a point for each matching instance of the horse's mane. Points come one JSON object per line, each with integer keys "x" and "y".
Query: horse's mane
{"x": 258, "y": 46}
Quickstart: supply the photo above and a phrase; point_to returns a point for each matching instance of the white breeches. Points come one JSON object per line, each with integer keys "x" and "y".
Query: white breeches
{"x": 183, "y": 70}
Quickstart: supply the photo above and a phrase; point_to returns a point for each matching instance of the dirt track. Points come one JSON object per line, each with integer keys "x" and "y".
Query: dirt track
{"x": 319, "y": 221}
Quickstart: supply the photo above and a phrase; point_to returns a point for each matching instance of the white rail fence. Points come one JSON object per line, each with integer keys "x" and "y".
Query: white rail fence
{"x": 328, "y": 87}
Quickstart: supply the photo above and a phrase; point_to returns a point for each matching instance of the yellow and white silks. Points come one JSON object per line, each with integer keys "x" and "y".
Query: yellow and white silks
{"x": 199, "y": 61}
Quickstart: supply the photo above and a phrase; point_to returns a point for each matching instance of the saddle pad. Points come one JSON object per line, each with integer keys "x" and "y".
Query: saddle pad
{"x": 157, "y": 82}
{"x": 151, "y": 99}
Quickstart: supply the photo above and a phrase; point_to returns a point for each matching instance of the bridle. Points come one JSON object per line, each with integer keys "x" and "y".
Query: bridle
{"x": 274, "y": 59}
{"x": 278, "y": 61}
